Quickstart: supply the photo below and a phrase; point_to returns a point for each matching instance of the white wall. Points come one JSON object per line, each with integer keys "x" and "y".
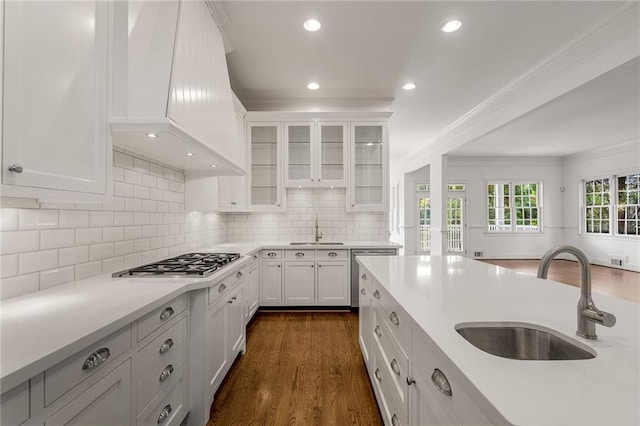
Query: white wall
{"x": 615, "y": 160}
{"x": 64, "y": 242}
{"x": 297, "y": 223}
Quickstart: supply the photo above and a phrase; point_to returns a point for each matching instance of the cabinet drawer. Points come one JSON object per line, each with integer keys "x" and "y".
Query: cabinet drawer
{"x": 159, "y": 349}
{"x": 332, "y": 254}
{"x": 153, "y": 320}
{"x": 168, "y": 408}
{"x": 61, "y": 378}
{"x": 396, "y": 361}
{"x": 300, "y": 254}
{"x": 14, "y": 405}
{"x": 397, "y": 318}
{"x": 159, "y": 377}
{"x": 226, "y": 284}
{"x": 271, "y": 254}
{"x": 390, "y": 406}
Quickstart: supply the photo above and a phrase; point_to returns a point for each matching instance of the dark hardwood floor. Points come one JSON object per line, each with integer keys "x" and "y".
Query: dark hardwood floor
{"x": 300, "y": 368}
{"x": 610, "y": 281}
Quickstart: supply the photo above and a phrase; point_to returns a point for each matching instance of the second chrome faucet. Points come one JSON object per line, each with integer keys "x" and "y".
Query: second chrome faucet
{"x": 318, "y": 236}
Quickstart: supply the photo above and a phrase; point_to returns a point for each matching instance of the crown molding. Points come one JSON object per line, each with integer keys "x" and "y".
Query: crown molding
{"x": 319, "y": 105}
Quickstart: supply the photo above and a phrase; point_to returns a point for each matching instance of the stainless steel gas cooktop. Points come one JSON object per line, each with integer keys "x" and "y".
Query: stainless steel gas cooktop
{"x": 190, "y": 264}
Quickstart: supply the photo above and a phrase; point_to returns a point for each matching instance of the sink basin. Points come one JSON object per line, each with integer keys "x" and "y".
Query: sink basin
{"x": 523, "y": 341}
{"x": 315, "y": 244}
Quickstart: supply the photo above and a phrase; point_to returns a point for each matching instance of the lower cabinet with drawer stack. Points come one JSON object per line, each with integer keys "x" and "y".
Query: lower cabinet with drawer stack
{"x": 414, "y": 382}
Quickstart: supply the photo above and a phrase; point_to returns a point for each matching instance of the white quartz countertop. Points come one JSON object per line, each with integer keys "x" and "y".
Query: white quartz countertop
{"x": 40, "y": 329}
{"x": 441, "y": 292}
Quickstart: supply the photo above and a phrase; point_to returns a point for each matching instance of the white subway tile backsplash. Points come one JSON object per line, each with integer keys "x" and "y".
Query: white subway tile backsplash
{"x": 141, "y": 192}
{"x": 133, "y": 177}
{"x": 156, "y": 170}
{"x": 141, "y": 218}
{"x": 73, "y": 255}
{"x": 133, "y": 260}
{"x": 118, "y": 174}
{"x": 169, "y": 173}
{"x": 121, "y": 189}
{"x": 122, "y": 160}
{"x": 19, "y": 285}
{"x": 37, "y": 219}
{"x": 155, "y": 242}
{"x": 141, "y": 165}
{"x": 116, "y": 203}
{"x": 149, "y": 231}
{"x": 85, "y": 270}
{"x": 123, "y": 218}
{"x": 112, "y": 265}
{"x": 89, "y": 206}
{"x": 88, "y": 236}
{"x": 148, "y": 206}
{"x": 122, "y": 247}
{"x": 37, "y": 261}
{"x": 56, "y": 238}
{"x": 19, "y": 241}
{"x": 133, "y": 204}
{"x": 132, "y": 232}
{"x": 8, "y": 265}
{"x": 57, "y": 276}
{"x": 100, "y": 251}
{"x": 8, "y": 219}
{"x": 141, "y": 245}
{"x": 153, "y": 255}
{"x": 74, "y": 219}
{"x": 113, "y": 234}
{"x": 149, "y": 180}
{"x": 100, "y": 219}
{"x": 163, "y": 184}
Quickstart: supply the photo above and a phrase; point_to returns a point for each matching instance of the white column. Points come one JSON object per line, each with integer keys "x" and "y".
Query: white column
{"x": 438, "y": 181}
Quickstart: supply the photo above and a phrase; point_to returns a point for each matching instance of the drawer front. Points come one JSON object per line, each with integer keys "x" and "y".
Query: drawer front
{"x": 159, "y": 349}
{"x": 61, "y": 378}
{"x": 300, "y": 254}
{"x": 168, "y": 408}
{"x": 332, "y": 254}
{"x": 14, "y": 405}
{"x": 153, "y": 320}
{"x": 390, "y": 406}
{"x": 395, "y": 360}
{"x": 428, "y": 407}
{"x": 159, "y": 377}
{"x": 464, "y": 407}
{"x": 225, "y": 284}
{"x": 272, "y": 254}
{"x": 397, "y": 318}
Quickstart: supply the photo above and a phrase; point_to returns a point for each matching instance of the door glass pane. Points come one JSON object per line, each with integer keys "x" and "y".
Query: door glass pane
{"x": 424, "y": 224}
{"x": 368, "y": 183}
{"x": 455, "y": 225}
{"x": 299, "y": 150}
{"x": 332, "y": 152}
{"x": 264, "y": 165}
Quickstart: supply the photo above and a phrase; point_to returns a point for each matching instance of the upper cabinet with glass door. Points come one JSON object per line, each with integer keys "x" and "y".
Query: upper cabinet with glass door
{"x": 369, "y": 165}
{"x": 315, "y": 154}
{"x": 265, "y": 180}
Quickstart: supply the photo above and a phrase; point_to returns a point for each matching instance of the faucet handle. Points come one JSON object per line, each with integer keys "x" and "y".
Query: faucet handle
{"x": 599, "y": 317}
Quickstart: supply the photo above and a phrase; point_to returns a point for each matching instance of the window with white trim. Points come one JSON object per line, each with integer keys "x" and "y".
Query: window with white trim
{"x": 597, "y": 203}
{"x": 628, "y": 205}
{"x": 513, "y": 207}
{"x": 611, "y": 205}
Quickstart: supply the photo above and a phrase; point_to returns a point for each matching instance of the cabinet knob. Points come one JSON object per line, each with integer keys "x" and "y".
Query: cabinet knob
{"x": 96, "y": 358}
{"x": 363, "y": 291}
{"x": 378, "y": 331}
{"x": 16, "y": 168}
{"x": 222, "y": 288}
{"x": 440, "y": 382}
{"x": 376, "y": 294}
{"x": 395, "y": 421}
{"x": 364, "y": 276}
{"x": 166, "y": 313}
{"x": 166, "y": 373}
{"x": 378, "y": 375}
{"x": 332, "y": 254}
{"x": 410, "y": 381}
{"x": 166, "y": 346}
{"x": 395, "y": 367}
{"x": 299, "y": 254}
{"x": 239, "y": 275}
{"x": 164, "y": 414}
{"x": 395, "y": 320}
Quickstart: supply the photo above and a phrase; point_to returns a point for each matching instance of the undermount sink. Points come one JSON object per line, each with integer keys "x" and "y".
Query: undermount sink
{"x": 523, "y": 341}
{"x": 315, "y": 244}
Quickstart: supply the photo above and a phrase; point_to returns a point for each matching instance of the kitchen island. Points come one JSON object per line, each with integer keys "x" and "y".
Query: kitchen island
{"x": 434, "y": 294}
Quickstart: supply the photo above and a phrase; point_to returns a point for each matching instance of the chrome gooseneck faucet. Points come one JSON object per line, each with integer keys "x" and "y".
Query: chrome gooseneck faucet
{"x": 588, "y": 314}
{"x": 318, "y": 236}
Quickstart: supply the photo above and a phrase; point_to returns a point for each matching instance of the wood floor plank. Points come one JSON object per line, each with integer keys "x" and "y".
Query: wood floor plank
{"x": 300, "y": 368}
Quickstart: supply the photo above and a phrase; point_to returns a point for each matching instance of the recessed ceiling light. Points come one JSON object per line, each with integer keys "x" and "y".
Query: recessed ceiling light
{"x": 451, "y": 26}
{"x": 409, "y": 86}
{"x": 313, "y": 86}
{"x": 152, "y": 135}
{"x": 189, "y": 154}
{"x": 213, "y": 166}
{"x": 312, "y": 25}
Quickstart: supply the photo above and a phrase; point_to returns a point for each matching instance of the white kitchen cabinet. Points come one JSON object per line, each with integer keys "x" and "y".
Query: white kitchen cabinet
{"x": 108, "y": 402}
{"x": 217, "y": 356}
{"x": 365, "y": 323}
{"x": 232, "y": 193}
{"x": 15, "y": 406}
{"x": 299, "y": 283}
{"x": 55, "y": 139}
{"x": 252, "y": 290}
{"x": 426, "y": 405}
{"x": 315, "y": 154}
{"x": 265, "y": 192}
{"x": 271, "y": 282}
{"x": 333, "y": 283}
{"x": 369, "y": 167}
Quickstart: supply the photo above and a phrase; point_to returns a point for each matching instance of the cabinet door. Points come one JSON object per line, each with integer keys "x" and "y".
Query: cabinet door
{"x": 271, "y": 282}
{"x": 265, "y": 175}
{"x": 231, "y": 193}
{"x": 253, "y": 293}
{"x": 236, "y": 322}
{"x": 425, "y": 401}
{"x": 299, "y": 154}
{"x": 55, "y": 99}
{"x": 365, "y": 324}
{"x": 333, "y": 283}
{"x": 299, "y": 283}
{"x": 217, "y": 344}
{"x": 331, "y": 154}
{"x": 367, "y": 188}
{"x": 108, "y": 402}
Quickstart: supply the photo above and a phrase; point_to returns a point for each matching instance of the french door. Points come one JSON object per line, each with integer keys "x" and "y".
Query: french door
{"x": 455, "y": 219}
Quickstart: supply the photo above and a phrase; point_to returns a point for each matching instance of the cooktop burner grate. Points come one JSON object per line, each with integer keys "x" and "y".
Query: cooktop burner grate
{"x": 198, "y": 264}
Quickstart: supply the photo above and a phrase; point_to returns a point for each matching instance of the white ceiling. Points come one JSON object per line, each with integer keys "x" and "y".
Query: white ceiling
{"x": 366, "y": 50}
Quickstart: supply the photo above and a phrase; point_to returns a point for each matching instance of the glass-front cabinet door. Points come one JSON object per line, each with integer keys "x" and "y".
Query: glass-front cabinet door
{"x": 265, "y": 185}
{"x": 367, "y": 185}
{"x": 299, "y": 143}
{"x": 332, "y": 154}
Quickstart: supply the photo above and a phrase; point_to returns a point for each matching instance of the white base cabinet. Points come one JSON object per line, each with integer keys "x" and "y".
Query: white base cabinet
{"x": 333, "y": 283}
{"x": 271, "y": 278}
{"x": 252, "y": 290}
{"x": 299, "y": 283}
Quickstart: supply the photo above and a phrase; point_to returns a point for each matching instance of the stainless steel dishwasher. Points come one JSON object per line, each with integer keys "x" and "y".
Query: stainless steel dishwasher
{"x": 354, "y": 268}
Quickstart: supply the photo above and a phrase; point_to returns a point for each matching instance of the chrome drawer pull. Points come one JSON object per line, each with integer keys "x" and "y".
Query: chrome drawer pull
{"x": 394, "y": 318}
{"x": 166, "y": 346}
{"x": 395, "y": 421}
{"x": 164, "y": 414}
{"x": 166, "y": 373}
{"x": 441, "y": 383}
{"x": 16, "y": 168}
{"x": 299, "y": 254}
{"x": 377, "y": 374}
{"x": 376, "y": 294}
{"x": 378, "y": 331}
{"x": 332, "y": 254}
{"x": 239, "y": 275}
{"x": 395, "y": 367}
{"x": 271, "y": 254}
{"x": 410, "y": 381}
{"x": 96, "y": 358}
{"x": 222, "y": 288}
{"x": 364, "y": 277}
{"x": 363, "y": 291}
{"x": 166, "y": 313}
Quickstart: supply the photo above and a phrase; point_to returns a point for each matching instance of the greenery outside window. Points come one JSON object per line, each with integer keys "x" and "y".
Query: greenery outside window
{"x": 513, "y": 207}
{"x": 628, "y": 206}
{"x": 597, "y": 206}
